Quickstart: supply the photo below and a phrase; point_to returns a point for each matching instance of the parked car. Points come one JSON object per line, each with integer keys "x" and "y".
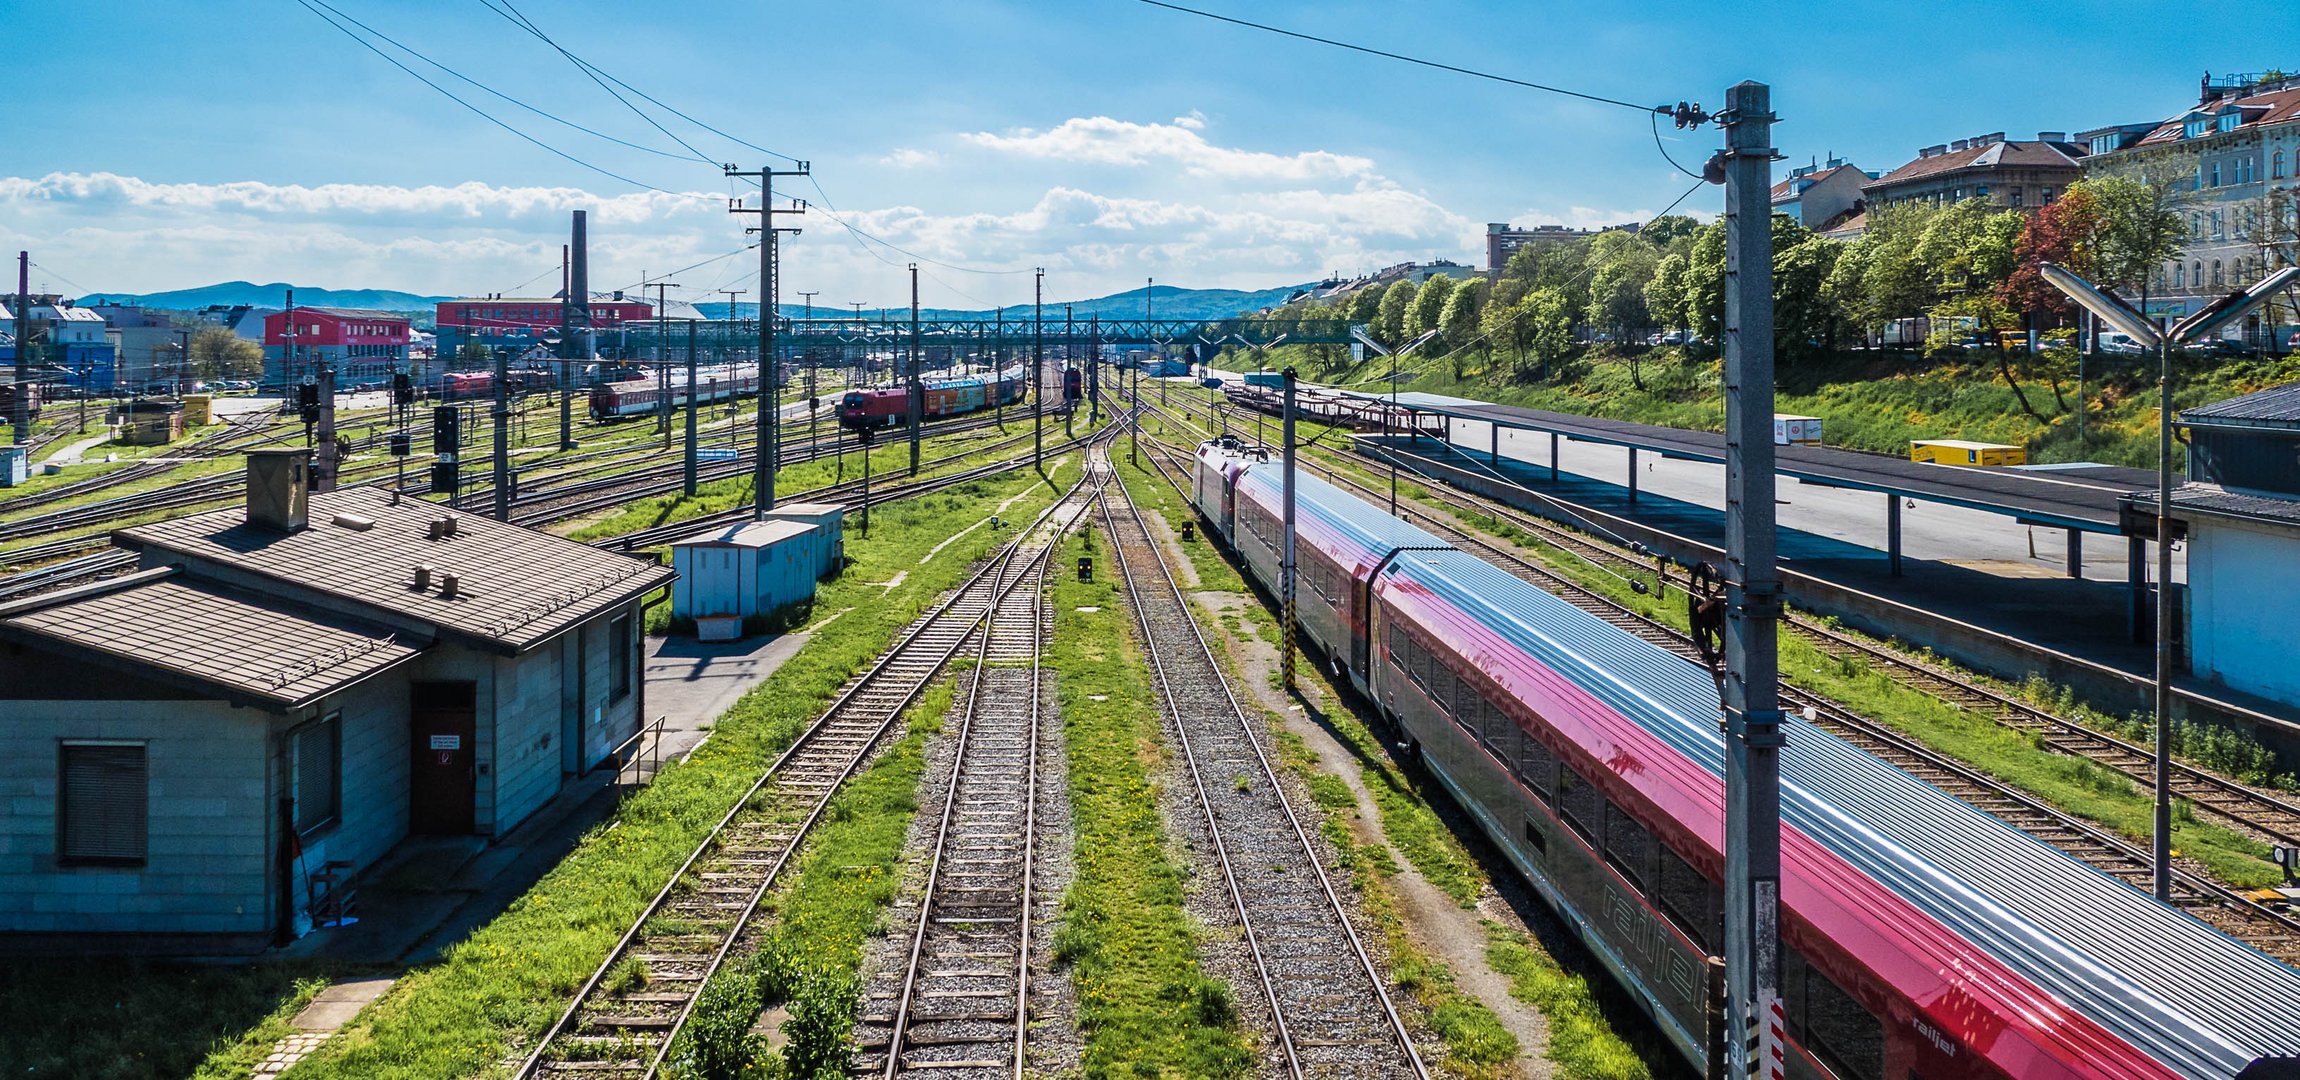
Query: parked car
{"x": 2227, "y": 347}
{"x": 2121, "y": 344}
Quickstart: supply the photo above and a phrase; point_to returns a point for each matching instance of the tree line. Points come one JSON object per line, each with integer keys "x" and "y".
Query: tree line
{"x": 1966, "y": 264}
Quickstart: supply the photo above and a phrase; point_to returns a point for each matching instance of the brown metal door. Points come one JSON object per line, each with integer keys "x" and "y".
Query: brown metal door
{"x": 442, "y": 720}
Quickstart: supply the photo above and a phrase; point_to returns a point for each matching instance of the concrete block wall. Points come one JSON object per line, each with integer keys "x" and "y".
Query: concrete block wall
{"x": 375, "y": 766}
{"x": 208, "y": 842}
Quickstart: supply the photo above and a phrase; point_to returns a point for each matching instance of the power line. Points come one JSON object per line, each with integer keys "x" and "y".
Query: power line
{"x": 530, "y": 27}
{"x": 489, "y": 117}
{"x": 553, "y": 117}
{"x": 1472, "y": 72}
{"x": 520, "y": 20}
{"x": 692, "y": 266}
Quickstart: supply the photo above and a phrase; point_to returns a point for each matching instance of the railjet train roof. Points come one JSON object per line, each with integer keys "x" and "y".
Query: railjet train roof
{"x": 1318, "y": 504}
{"x": 2180, "y": 991}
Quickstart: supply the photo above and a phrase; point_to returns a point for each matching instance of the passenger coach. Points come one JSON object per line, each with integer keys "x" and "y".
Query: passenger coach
{"x": 1922, "y": 938}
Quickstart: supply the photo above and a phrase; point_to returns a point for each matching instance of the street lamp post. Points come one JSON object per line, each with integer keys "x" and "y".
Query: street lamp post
{"x": 2113, "y": 310}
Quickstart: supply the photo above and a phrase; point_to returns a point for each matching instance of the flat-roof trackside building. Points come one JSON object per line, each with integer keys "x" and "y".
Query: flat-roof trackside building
{"x": 302, "y": 683}
{"x": 362, "y": 345}
{"x": 2240, "y": 506}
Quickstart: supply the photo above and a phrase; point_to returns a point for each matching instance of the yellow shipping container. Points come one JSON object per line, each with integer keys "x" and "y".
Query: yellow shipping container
{"x": 1961, "y": 452}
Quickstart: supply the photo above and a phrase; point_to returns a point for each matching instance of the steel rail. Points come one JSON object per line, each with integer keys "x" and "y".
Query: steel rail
{"x": 892, "y": 1064}
{"x": 986, "y": 582}
{"x": 1169, "y": 697}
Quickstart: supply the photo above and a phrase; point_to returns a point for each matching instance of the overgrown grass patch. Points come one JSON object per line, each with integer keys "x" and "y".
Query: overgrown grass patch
{"x": 495, "y": 991}
{"x": 1129, "y": 946}
{"x": 1582, "y": 1040}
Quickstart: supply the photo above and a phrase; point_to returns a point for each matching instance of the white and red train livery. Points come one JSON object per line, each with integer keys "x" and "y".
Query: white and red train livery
{"x": 1922, "y": 939}
{"x": 643, "y": 396}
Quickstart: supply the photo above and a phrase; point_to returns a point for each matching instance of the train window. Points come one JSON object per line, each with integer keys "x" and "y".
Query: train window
{"x": 1536, "y": 837}
{"x": 1441, "y": 688}
{"x": 1829, "y": 1022}
{"x": 1537, "y": 767}
{"x": 1690, "y": 900}
{"x": 1628, "y": 846}
{"x": 1583, "y": 804}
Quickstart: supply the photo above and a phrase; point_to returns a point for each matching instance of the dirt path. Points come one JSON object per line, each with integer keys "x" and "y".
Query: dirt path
{"x": 1438, "y": 927}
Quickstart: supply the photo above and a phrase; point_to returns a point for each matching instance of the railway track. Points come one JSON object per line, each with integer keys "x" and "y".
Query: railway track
{"x": 961, "y": 1006}
{"x": 620, "y": 1026}
{"x": 2271, "y": 816}
{"x": 1330, "y": 1008}
{"x": 2264, "y": 928}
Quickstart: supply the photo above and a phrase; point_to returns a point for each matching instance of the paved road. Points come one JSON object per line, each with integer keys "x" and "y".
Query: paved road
{"x": 1931, "y": 531}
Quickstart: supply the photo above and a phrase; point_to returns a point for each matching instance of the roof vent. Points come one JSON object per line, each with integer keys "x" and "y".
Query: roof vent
{"x": 448, "y": 584}
{"x": 1960, "y": 144}
{"x": 354, "y": 522}
{"x": 447, "y": 525}
{"x": 422, "y": 576}
{"x": 2052, "y": 136}
{"x": 279, "y": 488}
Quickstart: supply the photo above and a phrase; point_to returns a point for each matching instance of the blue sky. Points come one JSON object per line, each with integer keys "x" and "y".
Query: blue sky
{"x": 173, "y": 144}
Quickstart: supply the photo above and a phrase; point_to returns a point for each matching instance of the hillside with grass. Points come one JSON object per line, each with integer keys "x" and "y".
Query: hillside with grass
{"x": 1868, "y": 400}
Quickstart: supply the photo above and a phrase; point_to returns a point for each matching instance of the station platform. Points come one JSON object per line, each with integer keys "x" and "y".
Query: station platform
{"x": 1972, "y": 592}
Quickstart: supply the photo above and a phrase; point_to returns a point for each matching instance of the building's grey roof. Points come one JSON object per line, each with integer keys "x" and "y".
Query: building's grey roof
{"x": 250, "y": 648}
{"x": 518, "y": 587}
{"x": 2277, "y": 406}
{"x": 357, "y": 313}
{"x": 2212, "y": 500}
{"x": 750, "y": 534}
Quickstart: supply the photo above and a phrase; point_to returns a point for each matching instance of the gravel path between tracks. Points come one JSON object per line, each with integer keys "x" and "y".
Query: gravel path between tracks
{"x": 1439, "y": 928}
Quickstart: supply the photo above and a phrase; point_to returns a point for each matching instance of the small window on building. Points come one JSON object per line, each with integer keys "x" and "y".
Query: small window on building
{"x": 2219, "y": 279}
{"x": 2014, "y": 197}
{"x": 2215, "y": 174}
{"x": 2276, "y": 166}
{"x": 619, "y": 665}
{"x": 315, "y": 773}
{"x": 103, "y": 804}
{"x": 2047, "y": 196}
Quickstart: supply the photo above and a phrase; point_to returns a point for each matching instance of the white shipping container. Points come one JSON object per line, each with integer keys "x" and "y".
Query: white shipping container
{"x": 1802, "y": 430}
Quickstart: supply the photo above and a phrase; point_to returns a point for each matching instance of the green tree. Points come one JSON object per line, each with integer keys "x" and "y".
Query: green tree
{"x": 1548, "y": 315}
{"x": 1500, "y": 322}
{"x": 1799, "y": 274}
{"x": 1665, "y": 291}
{"x": 1458, "y": 326}
{"x": 2140, "y": 225}
{"x": 1390, "y": 321}
{"x": 1969, "y": 247}
{"x": 1428, "y": 307}
{"x": 1806, "y": 319}
{"x": 217, "y": 353}
{"x": 1621, "y": 265}
{"x": 1664, "y": 231}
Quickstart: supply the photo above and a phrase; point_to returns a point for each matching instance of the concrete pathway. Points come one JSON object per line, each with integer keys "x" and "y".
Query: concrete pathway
{"x": 690, "y": 683}
{"x": 74, "y": 451}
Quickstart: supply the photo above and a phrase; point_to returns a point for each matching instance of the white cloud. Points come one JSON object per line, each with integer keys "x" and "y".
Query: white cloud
{"x": 467, "y": 201}
{"x": 1196, "y": 121}
{"x": 1583, "y": 217}
{"x": 1102, "y": 140}
{"x": 909, "y": 158}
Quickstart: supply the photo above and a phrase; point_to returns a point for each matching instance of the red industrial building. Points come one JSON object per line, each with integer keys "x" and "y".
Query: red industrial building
{"x": 362, "y": 345}
{"x": 522, "y": 321}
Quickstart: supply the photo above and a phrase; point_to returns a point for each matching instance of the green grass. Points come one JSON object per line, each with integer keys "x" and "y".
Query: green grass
{"x": 494, "y": 991}
{"x": 823, "y": 913}
{"x": 1130, "y": 948}
{"x": 1581, "y": 1038}
{"x": 134, "y": 1020}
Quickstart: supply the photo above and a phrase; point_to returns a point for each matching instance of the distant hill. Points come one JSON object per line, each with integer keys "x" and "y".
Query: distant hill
{"x": 273, "y": 295}
{"x": 1166, "y": 302}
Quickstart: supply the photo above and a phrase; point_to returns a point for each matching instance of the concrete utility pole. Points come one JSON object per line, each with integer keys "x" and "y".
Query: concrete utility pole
{"x": 1752, "y": 592}
{"x": 20, "y": 406}
{"x": 916, "y": 390}
{"x": 770, "y": 296}
{"x": 814, "y": 400}
{"x": 576, "y": 344}
{"x": 662, "y": 358}
{"x": 1287, "y": 569}
{"x": 1069, "y": 364}
{"x": 1093, "y": 371}
{"x": 997, "y": 368}
{"x": 1038, "y": 371}
{"x": 566, "y": 351}
{"x": 694, "y": 409}
{"x": 501, "y": 412}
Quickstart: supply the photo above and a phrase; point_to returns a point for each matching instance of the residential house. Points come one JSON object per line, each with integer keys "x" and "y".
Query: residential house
{"x": 288, "y": 691}
{"x": 2020, "y": 175}
{"x": 2235, "y": 157}
{"x": 1822, "y": 196}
